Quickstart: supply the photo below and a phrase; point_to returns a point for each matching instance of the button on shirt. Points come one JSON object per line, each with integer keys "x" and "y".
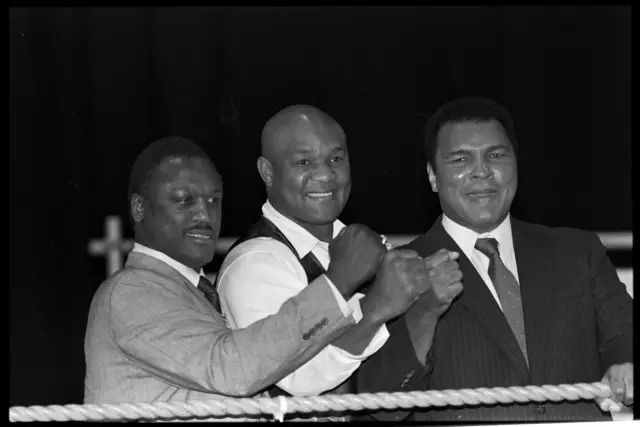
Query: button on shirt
{"x": 466, "y": 239}
{"x": 259, "y": 275}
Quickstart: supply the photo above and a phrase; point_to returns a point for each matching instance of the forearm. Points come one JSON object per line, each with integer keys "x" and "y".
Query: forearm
{"x": 422, "y": 330}
{"x": 356, "y": 340}
{"x": 394, "y": 367}
{"x": 616, "y": 351}
{"x": 613, "y": 309}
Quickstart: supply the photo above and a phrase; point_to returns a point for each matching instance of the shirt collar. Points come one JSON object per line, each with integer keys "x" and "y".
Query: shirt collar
{"x": 301, "y": 239}
{"x": 189, "y": 273}
{"x": 466, "y": 238}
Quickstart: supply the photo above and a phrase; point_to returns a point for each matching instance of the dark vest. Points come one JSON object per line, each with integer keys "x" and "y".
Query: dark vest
{"x": 311, "y": 265}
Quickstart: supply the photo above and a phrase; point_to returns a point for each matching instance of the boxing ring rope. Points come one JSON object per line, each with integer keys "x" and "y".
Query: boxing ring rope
{"x": 279, "y": 406}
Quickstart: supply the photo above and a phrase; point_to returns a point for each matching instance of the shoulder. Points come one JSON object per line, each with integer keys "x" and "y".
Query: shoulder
{"x": 259, "y": 253}
{"x": 572, "y": 242}
{"x": 133, "y": 286}
{"x": 559, "y": 235}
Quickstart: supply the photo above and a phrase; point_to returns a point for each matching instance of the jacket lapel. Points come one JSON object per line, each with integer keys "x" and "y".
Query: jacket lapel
{"x": 143, "y": 261}
{"x": 476, "y": 297}
{"x": 535, "y": 271}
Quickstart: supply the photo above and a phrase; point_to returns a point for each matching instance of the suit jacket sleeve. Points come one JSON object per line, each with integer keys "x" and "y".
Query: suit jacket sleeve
{"x": 393, "y": 368}
{"x": 182, "y": 343}
{"x": 613, "y": 306}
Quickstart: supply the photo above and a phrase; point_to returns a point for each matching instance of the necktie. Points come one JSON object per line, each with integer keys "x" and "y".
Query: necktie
{"x": 507, "y": 288}
{"x": 209, "y": 291}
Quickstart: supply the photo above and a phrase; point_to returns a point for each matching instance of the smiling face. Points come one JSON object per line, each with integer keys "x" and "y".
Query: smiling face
{"x": 475, "y": 173}
{"x": 307, "y": 173}
{"x": 180, "y": 212}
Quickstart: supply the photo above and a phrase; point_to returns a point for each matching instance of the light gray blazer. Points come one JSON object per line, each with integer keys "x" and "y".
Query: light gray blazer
{"x": 152, "y": 336}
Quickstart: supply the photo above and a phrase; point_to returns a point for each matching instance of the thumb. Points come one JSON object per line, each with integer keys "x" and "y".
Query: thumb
{"x": 607, "y": 404}
{"x": 403, "y": 253}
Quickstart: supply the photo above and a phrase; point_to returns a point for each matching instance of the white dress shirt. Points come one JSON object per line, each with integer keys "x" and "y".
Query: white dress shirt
{"x": 189, "y": 273}
{"x": 260, "y": 274}
{"x": 466, "y": 239}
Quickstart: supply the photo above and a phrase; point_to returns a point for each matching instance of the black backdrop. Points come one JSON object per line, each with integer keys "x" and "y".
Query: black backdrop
{"x": 89, "y": 87}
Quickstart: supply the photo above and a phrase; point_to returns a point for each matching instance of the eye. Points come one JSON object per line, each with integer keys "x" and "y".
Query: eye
{"x": 497, "y": 155}
{"x": 337, "y": 159}
{"x": 458, "y": 160}
{"x": 303, "y": 162}
{"x": 214, "y": 200}
{"x": 186, "y": 200}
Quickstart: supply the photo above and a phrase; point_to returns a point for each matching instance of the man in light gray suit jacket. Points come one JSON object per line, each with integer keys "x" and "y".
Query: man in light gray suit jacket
{"x": 155, "y": 332}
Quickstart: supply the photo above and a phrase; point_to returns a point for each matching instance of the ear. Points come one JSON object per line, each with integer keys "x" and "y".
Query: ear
{"x": 432, "y": 178}
{"x": 137, "y": 207}
{"x": 265, "y": 169}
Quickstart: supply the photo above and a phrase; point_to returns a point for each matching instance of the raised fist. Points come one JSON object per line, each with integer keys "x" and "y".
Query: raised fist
{"x": 446, "y": 280}
{"x": 403, "y": 277}
{"x": 356, "y": 254}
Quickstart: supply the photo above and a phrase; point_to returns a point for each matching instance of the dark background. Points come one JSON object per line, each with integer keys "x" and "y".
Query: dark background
{"x": 90, "y": 87}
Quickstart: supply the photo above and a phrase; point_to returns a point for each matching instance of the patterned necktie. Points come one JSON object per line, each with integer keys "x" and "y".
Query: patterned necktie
{"x": 507, "y": 288}
{"x": 210, "y": 293}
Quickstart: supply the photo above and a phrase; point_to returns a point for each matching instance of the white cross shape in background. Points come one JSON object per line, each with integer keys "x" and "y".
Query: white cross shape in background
{"x": 111, "y": 245}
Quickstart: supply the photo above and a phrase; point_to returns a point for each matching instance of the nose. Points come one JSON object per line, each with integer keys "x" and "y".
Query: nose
{"x": 203, "y": 211}
{"x": 481, "y": 170}
{"x": 324, "y": 172}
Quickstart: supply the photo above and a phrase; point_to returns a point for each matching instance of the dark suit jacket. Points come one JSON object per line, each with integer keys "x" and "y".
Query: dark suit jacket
{"x": 578, "y": 322}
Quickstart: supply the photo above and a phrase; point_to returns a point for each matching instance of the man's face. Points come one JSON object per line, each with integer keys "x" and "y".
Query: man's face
{"x": 475, "y": 173}
{"x": 182, "y": 210}
{"x": 311, "y": 175}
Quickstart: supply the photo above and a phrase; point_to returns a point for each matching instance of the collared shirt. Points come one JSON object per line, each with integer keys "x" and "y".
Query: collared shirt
{"x": 466, "y": 239}
{"x": 259, "y": 275}
{"x": 189, "y": 273}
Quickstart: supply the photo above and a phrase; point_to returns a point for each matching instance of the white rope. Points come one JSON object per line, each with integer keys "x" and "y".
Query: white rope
{"x": 280, "y": 406}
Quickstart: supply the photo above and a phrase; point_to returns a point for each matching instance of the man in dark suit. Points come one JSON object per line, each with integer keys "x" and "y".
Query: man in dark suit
{"x": 155, "y": 331}
{"x": 540, "y": 305}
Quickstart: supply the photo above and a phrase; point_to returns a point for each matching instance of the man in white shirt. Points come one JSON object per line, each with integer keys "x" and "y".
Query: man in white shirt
{"x": 540, "y": 305}
{"x": 155, "y": 332}
{"x": 305, "y": 168}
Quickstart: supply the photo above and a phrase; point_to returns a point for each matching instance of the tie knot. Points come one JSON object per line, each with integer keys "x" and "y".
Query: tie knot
{"x": 488, "y": 246}
{"x": 205, "y": 285}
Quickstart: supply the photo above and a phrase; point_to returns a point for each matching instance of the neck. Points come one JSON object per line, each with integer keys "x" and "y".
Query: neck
{"x": 323, "y": 232}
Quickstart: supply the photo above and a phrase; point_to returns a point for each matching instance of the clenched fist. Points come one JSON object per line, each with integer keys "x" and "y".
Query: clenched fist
{"x": 356, "y": 254}
{"x": 446, "y": 279}
{"x": 403, "y": 277}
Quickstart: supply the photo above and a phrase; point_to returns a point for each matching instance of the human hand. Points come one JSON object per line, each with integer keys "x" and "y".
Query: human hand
{"x": 446, "y": 279}
{"x": 356, "y": 254}
{"x": 619, "y": 378}
{"x": 404, "y": 277}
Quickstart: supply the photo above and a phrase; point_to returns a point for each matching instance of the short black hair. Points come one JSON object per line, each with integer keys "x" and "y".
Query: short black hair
{"x": 153, "y": 155}
{"x": 463, "y": 110}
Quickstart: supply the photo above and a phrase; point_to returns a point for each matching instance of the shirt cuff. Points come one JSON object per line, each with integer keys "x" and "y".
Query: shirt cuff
{"x": 346, "y": 309}
{"x": 378, "y": 340}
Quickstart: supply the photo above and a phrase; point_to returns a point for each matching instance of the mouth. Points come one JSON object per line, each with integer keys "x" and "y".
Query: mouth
{"x": 483, "y": 194}
{"x": 321, "y": 196}
{"x": 201, "y": 236}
